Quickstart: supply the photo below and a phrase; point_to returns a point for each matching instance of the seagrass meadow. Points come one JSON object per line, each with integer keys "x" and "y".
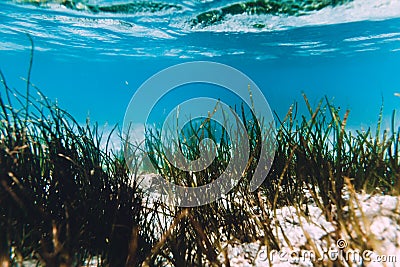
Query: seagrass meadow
{"x": 66, "y": 200}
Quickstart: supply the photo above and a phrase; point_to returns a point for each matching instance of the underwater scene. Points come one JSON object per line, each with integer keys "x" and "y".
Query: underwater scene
{"x": 199, "y": 133}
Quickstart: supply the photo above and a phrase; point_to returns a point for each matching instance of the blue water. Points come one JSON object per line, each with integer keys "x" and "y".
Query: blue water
{"x": 92, "y": 64}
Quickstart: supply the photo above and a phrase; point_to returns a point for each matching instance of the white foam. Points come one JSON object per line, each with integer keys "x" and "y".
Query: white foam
{"x": 358, "y": 10}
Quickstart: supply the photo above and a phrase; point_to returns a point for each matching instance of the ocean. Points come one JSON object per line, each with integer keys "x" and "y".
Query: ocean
{"x": 224, "y": 183}
{"x": 93, "y": 60}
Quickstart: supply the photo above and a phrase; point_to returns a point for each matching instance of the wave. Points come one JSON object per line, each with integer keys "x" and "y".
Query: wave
{"x": 260, "y": 7}
{"x": 153, "y": 29}
{"x": 231, "y": 16}
{"x": 252, "y": 21}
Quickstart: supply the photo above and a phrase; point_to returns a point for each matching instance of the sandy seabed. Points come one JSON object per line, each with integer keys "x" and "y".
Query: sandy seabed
{"x": 378, "y": 218}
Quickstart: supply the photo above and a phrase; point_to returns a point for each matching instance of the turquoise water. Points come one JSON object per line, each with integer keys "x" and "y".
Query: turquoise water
{"x": 93, "y": 62}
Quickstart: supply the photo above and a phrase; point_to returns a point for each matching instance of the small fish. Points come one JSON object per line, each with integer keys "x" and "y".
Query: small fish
{"x": 397, "y": 94}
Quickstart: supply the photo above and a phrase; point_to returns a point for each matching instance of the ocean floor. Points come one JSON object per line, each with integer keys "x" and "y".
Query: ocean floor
{"x": 306, "y": 236}
{"x": 306, "y": 241}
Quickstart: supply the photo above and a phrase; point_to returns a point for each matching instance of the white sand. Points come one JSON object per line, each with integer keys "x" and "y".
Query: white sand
{"x": 378, "y": 218}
